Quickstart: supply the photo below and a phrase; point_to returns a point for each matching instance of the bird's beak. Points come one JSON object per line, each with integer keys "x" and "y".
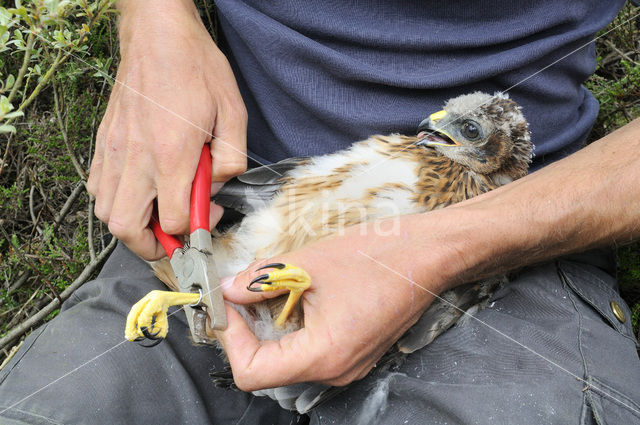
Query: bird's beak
{"x": 429, "y": 135}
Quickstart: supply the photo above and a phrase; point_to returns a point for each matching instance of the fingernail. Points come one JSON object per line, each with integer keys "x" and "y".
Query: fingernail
{"x": 227, "y": 282}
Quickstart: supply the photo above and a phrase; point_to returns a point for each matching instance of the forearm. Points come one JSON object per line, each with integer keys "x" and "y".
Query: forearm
{"x": 587, "y": 200}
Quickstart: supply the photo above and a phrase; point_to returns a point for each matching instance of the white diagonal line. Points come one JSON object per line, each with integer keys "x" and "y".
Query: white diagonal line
{"x": 63, "y": 376}
{"x": 531, "y": 350}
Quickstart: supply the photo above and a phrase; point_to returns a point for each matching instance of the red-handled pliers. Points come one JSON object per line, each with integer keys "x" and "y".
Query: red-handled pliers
{"x": 193, "y": 265}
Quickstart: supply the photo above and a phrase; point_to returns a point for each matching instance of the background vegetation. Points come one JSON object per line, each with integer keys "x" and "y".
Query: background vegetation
{"x": 616, "y": 84}
{"x": 57, "y": 63}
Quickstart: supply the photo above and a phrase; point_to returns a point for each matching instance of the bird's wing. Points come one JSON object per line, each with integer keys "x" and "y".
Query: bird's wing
{"x": 254, "y": 189}
{"x": 447, "y": 310}
{"x": 443, "y": 313}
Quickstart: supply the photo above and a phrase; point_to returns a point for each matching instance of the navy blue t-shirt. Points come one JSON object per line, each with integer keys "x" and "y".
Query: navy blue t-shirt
{"x": 317, "y": 76}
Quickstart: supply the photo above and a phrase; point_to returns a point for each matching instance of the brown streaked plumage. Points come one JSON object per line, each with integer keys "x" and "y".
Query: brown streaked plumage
{"x": 479, "y": 142}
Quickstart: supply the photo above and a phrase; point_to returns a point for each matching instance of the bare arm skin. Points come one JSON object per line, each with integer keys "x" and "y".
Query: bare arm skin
{"x": 174, "y": 88}
{"x": 587, "y": 200}
{"x": 366, "y": 291}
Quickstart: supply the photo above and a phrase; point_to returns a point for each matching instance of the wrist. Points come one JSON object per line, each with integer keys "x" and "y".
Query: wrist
{"x": 465, "y": 243}
{"x": 141, "y": 20}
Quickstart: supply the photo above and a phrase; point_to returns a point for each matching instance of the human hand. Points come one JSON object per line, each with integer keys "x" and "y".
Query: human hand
{"x": 366, "y": 291}
{"x": 173, "y": 88}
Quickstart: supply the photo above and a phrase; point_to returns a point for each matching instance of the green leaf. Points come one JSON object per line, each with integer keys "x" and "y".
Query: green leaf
{"x": 20, "y": 11}
{"x": 15, "y": 114}
{"x": 10, "y": 81}
{"x": 6, "y": 128}
{"x": 5, "y": 17}
{"x": 5, "y": 106}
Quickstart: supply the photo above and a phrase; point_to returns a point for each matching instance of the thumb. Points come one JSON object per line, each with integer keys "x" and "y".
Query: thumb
{"x": 265, "y": 364}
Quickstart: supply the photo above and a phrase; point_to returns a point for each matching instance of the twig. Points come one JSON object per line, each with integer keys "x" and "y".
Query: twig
{"x": 59, "y": 60}
{"x": 67, "y": 205}
{"x": 65, "y": 136}
{"x": 64, "y": 257}
{"x": 16, "y": 317}
{"x": 4, "y": 313}
{"x": 21, "y": 280}
{"x": 23, "y": 69}
{"x": 94, "y": 119}
{"x": 102, "y": 233}
{"x": 6, "y": 152}
{"x": 618, "y": 51}
{"x": 26, "y": 87}
{"x": 619, "y": 109}
{"x": 212, "y": 22}
{"x": 23, "y": 327}
{"x": 10, "y": 355}
{"x": 32, "y": 212}
{"x": 92, "y": 249}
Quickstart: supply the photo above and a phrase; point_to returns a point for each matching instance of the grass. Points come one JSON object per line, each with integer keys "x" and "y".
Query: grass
{"x": 48, "y": 234}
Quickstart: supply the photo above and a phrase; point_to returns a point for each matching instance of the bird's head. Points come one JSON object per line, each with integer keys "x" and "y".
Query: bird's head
{"x": 488, "y": 134}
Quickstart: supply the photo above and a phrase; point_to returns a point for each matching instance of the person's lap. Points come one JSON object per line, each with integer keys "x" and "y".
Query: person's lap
{"x": 537, "y": 354}
{"x": 525, "y": 360}
{"x": 86, "y": 372}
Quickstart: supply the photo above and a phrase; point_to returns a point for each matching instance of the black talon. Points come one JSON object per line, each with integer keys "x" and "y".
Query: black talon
{"x": 260, "y": 280}
{"x": 141, "y": 339}
{"x": 273, "y": 266}
{"x": 254, "y": 289}
{"x": 149, "y": 345}
{"x": 148, "y": 334}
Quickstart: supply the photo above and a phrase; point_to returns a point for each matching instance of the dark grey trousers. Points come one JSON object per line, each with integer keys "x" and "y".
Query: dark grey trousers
{"x": 547, "y": 350}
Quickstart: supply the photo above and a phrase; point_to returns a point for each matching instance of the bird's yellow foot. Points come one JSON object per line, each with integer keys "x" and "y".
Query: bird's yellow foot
{"x": 148, "y": 317}
{"x": 286, "y": 276}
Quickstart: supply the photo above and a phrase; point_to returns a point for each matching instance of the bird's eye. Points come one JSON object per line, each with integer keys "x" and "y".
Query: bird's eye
{"x": 470, "y": 130}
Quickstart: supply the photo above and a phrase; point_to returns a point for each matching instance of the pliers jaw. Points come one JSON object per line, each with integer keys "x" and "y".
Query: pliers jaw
{"x": 195, "y": 269}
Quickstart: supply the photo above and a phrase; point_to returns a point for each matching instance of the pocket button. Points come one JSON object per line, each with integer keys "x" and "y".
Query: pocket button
{"x": 618, "y": 312}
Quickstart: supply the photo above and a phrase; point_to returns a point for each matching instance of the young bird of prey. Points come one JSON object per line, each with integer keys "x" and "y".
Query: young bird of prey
{"x": 475, "y": 144}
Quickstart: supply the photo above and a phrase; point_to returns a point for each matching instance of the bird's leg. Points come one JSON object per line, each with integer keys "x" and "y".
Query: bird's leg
{"x": 148, "y": 317}
{"x": 286, "y": 276}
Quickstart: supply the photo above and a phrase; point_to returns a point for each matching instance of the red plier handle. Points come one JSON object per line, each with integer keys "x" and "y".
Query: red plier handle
{"x": 194, "y": 266}
{"x": 200, "y": 199}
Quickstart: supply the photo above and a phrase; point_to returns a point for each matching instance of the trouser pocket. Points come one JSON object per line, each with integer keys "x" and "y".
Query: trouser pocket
{"x": 607, "y": 346}
{"x": 596, "y": 288}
